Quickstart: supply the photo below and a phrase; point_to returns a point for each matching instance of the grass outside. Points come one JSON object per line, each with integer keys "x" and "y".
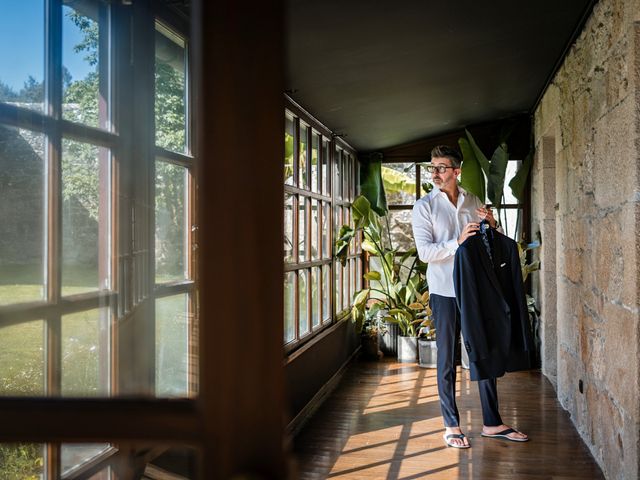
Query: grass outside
{"x": 22, "y": 360}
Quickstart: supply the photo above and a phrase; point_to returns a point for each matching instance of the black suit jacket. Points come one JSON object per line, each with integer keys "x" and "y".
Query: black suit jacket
{"x": 493, "y": 308}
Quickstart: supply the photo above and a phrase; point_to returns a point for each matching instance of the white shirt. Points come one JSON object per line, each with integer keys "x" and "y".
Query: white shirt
{"x": 437, "y": 224}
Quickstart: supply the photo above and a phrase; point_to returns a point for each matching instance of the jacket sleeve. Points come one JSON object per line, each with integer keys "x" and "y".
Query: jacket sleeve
{"x": 518, "y": 290}
{"x": 428, "y": 250}
{"x": 468, "y": 300}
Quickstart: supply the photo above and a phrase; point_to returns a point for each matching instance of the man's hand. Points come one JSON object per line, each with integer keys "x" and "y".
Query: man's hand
{"x": 487, "y": 213}
{"x": 469, "y": 230}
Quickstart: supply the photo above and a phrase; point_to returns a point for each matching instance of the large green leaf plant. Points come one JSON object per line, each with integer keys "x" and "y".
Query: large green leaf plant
{"x": 400, "y": 291}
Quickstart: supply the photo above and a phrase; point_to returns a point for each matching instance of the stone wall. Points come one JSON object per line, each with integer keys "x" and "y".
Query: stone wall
{"x": 586, "y": 208}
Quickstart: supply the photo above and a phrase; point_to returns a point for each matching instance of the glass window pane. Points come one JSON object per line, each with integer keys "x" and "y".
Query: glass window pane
{"x": 325, "y": 167}
{"x": 425, "y": 182}
{"x": 85, "y": 217}
{"x": 314, "y": 229}
{"x": 302, "y": 159}
{"x": 288, "y": 227}
{"x": 346, "y": 274}
{"x": 289, "y": 306}
{"x": 85, "y": 353}
{"x": 325, "y": 226}
{"x": 315, "y": 151}
{"x": 302, "y": 229}
{"x": 85, "y": 85}
{"x": 170, "y": 92}
{"x": 303, "y": 319}
{"x": 346, "y": 176}
{"x": 22, "y": 186}
{"x": 74, "y": 455}
{"x": 21, "y": 461}
{"x": 288, "y": 150}
{"x": 22, "y": 360}
{"x": 171, "y": 222}
{"x": 401, "y": 232}
{"x": 172, "y": 346}
{"x": 511, "y": 221}
{"x": 399, "y": 183}
{"x": 512, "y": 168}
{"x": 338, "y": 178}
{"x": 22, "y": 32}
{"x": 359, "y": 275}
{"x": 326, "y": 293}
{"x": 337, "y": 286}
{"x": 315, "y": 296}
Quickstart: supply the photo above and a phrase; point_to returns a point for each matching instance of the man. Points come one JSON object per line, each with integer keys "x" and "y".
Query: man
{"x": 442, "y": 221}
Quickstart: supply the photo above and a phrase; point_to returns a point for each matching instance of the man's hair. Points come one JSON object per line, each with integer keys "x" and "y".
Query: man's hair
{"x": 445, "y": 151}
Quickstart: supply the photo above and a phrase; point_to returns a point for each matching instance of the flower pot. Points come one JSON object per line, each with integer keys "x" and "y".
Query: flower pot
{"x": 407, "y": 349}
{"x": 427, "y": 353}
{"x": 370, "y": 347}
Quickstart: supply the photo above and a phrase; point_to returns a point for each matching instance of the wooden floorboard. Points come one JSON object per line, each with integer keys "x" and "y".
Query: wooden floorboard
{"x": 383, "y": 422}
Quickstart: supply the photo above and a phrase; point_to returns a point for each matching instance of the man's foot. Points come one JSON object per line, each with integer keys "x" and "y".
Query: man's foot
{"x": 504, "y": 432}
{"x": 454, "y": 437}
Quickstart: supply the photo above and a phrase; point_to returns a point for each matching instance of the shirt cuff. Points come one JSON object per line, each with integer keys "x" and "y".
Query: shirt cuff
{"x": 452, "y": 246}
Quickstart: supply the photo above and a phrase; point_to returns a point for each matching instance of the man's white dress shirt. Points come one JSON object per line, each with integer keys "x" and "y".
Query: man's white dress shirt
{"x": 437, "y": 224}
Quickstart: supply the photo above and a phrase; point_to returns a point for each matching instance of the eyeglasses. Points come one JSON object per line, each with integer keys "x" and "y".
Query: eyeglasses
{"x": 440, "y": 168}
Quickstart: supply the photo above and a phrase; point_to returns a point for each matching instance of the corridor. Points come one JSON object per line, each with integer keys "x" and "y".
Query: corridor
{"x": 383, "y": 422}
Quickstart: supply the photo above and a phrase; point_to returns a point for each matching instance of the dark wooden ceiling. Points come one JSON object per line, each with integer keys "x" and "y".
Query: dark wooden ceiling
{"x": 386, "y": 73}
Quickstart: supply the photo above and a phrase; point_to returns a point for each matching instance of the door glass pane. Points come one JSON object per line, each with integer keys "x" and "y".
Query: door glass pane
{"x": 346, "y": 275}
{"x": 172, "y": 346}
{"x": 315, "y": 297}
{"x": 302, "y": 302}
{"x": 288, "y": 227}
{"x": 171, "y": 222}
{"x": 21, "y": 461}
{"x": 302, "y": 160}
{"x": 22, "y": 185}
{"x": 512, "y": 169}
{"x": 289, "y": 306}
{"x": 326, "y": 292}
{"x": 22, "y": 33}
{"x": 401, "y": 232}
{"x": 170, "y": 92}
{"x": 85, "y": 353}
{"x": 22, "y": 359}
{"x": 400, "y": 183}
{"x": 288, "y": 150}
{"x": 337, "y": 285}
{"x": 73, "y": 456}
{"x": 85, "y": 84}
{"x": 85, "y": 217}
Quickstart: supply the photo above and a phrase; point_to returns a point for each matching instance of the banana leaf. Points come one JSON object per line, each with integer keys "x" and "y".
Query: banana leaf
{"x": 497, "y": 171}
{"x": 371, "y": 184}
{"x": 519, "y": 181}
{"x": 472, "y": 177}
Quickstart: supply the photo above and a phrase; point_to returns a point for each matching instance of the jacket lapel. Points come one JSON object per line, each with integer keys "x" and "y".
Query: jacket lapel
{"x": 486, "y": 263}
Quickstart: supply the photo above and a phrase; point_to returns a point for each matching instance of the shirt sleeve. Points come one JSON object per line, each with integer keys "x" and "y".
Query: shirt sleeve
{"x": 428, "y": 250}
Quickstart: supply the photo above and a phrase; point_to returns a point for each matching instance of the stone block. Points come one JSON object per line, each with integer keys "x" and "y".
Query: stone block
{"x": 620, "y": 355}
{"x": 608, "y": 254}
{"x": 614, "y": 170}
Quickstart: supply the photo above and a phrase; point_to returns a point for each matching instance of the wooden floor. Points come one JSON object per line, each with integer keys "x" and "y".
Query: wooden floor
{"x": 383, "y": 422}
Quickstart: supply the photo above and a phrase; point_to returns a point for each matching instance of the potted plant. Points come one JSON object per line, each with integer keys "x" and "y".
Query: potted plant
{"x": 400, "y": 290}
{"x": 372, "y": 330}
